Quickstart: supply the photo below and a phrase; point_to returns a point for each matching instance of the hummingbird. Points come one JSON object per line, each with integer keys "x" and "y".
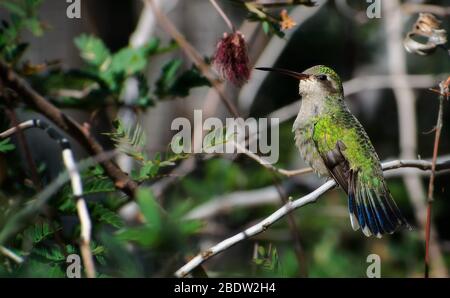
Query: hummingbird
{"x": 334, "y": 143}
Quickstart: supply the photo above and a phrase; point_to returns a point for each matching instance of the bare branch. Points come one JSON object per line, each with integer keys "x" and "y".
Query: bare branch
{"x": 10, "y": 254}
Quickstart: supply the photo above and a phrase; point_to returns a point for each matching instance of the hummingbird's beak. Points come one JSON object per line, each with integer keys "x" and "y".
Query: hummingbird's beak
{"x": 297, "y": 75}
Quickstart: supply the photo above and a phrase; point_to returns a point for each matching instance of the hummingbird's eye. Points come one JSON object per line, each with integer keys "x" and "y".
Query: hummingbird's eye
{"x": 322, "y": 77}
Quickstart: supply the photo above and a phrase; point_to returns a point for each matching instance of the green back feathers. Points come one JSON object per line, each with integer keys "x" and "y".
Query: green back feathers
{"x": 342, "y": 126}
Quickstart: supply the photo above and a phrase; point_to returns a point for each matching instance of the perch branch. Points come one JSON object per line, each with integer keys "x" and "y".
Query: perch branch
{"x": 37, "y": 102}
{"x": 289, "y": 207}
{"x": 268, "y": 196}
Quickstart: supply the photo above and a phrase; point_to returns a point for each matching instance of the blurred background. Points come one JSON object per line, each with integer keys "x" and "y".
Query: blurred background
{"x": 386, "y": 87}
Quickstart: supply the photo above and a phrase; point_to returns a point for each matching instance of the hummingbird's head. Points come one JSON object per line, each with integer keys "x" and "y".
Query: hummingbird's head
{"x": 318, "y": 81}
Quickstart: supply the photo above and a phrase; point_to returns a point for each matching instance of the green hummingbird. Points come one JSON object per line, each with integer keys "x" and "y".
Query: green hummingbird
{"x": 333, "y": 142}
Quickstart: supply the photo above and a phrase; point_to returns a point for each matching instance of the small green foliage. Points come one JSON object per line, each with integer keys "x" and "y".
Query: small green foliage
{"x": 113, "y": 69}
{"x": 267, "y": 259}
{"x": 23, "y": 15}
{"x": 159, "y": 230}
{"x": 39, "y": 232}
{"x": 6, "y": 146}
{"x": 93, "y": 50}
{"x": 129, "y": 140}
{"x": 105, "y": 215}
{"x": 169, "y": 84}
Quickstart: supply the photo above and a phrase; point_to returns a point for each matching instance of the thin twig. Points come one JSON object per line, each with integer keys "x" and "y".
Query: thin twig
{"x": 25, "y": 148}
{"x": 289, "y": 207}
{"x": 267, "y": 165}
{"x": 223, "y": 15}
{"x": 437, "y": 138}
{"x": 10, "y": 254}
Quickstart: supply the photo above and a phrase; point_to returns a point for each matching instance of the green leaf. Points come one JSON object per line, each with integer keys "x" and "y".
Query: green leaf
{"x": 188, "y": 80}
{"x": 168, "y": 74}
{"x": 93, "y": 50}
{"x": 143, "y": 235}
{"x": 125, "y": 264}
{"x": 34, "y": 26}
{"x": 148, "y": 234}
{"x": 129, "y": 140}
{"x": 152, "y": 47}
{"x": 149, "y": 170}
{"x": 14, "y": 7}
{"x": 36, "y": 269}
{"x": 129, "y": 61}
{"x": 266, "y": 27}
{"x": 145, "y": 98}
{"x": 102, "y": 214}
{"x": 6, "y": 146}
{"x": 149, "y": 208}
{"x": 190, "y": 227}
{"x": 51, "y": 254}
{"x": 170, "y": 85}
{"x": 99, "y": 185}
{"x": 39, "y": 232}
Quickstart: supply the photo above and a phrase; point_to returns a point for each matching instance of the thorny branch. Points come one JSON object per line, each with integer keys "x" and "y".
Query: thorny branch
{"x": 37, "y": 102}
{"x": 289, "y": 207}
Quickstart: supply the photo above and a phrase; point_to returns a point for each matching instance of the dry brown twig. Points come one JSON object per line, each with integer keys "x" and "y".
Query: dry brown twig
{"x": 444, "y": 90}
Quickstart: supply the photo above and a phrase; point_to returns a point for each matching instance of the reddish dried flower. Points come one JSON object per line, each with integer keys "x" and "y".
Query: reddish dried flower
{"x": 231, "y": 59}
